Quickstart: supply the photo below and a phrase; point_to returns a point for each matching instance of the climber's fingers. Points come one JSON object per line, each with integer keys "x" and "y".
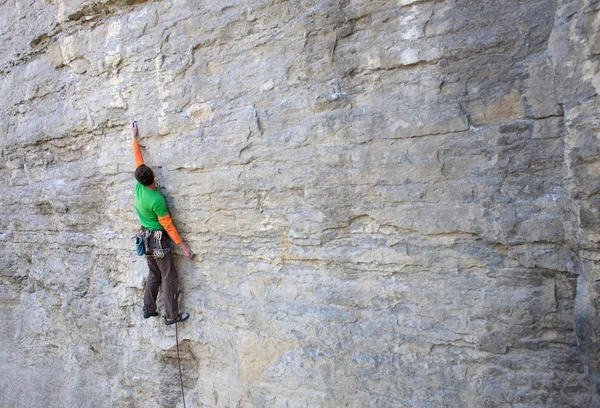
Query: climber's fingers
{"x": 134, "y": 129}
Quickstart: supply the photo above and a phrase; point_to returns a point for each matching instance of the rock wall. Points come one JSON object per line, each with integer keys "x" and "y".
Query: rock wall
{"x": 393, "y": 204}
{"x": 575, "y": 51}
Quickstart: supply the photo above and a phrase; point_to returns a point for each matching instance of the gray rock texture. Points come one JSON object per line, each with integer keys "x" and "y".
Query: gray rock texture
{"x": 393, "y": 203}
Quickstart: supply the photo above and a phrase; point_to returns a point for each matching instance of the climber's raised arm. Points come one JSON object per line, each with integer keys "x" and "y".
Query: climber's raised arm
{"x": 156, "y": 206}
{"x": 137, "y": 152}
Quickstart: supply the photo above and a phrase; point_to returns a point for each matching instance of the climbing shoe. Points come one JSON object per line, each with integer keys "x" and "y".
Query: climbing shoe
{"x": 148, "y": 315}
{"x": 181, "y": 318}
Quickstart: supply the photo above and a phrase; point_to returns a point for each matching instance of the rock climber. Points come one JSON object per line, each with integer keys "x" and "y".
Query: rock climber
{"x": 158, "y": 231}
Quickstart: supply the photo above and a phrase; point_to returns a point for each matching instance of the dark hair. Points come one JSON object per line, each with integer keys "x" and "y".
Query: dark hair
{"x": 144, "y": 175}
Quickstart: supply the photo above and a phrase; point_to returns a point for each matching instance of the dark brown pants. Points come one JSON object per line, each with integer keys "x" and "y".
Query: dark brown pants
{"x": 162, "y": 270}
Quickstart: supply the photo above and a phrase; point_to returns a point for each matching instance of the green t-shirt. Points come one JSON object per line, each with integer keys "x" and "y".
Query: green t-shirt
{"x": 149, "y": 205}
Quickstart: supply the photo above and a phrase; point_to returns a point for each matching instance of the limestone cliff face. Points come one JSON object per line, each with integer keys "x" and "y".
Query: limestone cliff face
{"x": 394, "y": 204}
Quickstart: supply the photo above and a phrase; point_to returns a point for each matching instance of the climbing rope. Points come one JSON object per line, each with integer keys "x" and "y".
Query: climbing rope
{"x": 179, "y": 362}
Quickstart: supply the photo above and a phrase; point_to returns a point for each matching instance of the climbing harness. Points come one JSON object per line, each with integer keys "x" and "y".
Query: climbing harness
{"x": 159, "y": 252}
{"x": 179, "y": 363}
{"x": 144, "y": 236}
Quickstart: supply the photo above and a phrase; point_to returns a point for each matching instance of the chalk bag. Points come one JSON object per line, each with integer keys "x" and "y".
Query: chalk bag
{"x": 139, "y": 245}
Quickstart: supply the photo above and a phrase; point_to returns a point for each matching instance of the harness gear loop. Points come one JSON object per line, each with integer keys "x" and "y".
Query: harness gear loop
{"x": 159, "y": 251}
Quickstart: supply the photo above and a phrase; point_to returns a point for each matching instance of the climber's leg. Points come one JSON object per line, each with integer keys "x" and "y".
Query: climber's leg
{"x": 152, "y": 285}
{"x": 170, "y": 284}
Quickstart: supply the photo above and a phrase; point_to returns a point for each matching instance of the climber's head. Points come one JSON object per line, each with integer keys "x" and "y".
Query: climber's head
{"x": 144, "y": 175}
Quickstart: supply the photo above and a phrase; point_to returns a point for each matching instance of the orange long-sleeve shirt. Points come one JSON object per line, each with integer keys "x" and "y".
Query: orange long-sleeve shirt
{"x": 150, "y": 205}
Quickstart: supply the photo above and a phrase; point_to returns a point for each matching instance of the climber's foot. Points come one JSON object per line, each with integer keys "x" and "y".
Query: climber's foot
{"x": 181, "y": 318}
{"x": 148, "y": 315}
